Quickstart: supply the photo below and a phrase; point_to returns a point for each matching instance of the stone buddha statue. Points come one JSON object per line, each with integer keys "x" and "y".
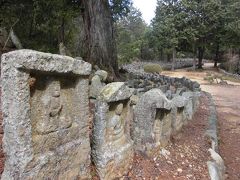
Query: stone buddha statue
{"x": 54, "y": 117}
{"x": 116, "y": 124}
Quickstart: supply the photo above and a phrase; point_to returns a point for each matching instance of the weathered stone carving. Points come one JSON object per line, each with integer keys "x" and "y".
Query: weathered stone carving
{"x": 54, "y": 113}
{"x": 192, "y": 103}
{"x": 177, "y": 113}
{"x": 162, "y": 127}
{"x": 46, "y": 133}
{"x": 97, "y": 83}
{"x": 152, "y": 122}
{"x": 112, "y": 147}
{"x": 116, "y": 125}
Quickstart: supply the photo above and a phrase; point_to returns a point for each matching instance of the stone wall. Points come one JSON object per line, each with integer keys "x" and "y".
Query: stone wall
{"x": 47, "y": 127}
{"x": 139, "y": 66}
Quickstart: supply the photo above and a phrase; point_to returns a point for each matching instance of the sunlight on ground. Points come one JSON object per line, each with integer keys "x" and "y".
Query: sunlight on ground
{"x": 199, "y": 75}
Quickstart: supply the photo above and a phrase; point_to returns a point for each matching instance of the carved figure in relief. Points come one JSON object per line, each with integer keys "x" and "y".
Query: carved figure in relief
{"x": 116, "y": 124}
{"x": 55, "y": 104}
{"x": 54, "y": 118}
{"x": 157, "y": 128}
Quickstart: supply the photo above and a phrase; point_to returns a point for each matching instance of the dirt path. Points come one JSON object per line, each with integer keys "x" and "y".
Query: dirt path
{"x": 227, "y": 99}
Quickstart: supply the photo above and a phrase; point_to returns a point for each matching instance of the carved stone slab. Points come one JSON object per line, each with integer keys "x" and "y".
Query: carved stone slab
{"x": 45, "y": 116}
{"x": 112, "y": 148}
{"x": 152, "y": 122}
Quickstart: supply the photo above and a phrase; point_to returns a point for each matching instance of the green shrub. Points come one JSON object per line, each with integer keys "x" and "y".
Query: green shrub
{"x": 152, "y": 68}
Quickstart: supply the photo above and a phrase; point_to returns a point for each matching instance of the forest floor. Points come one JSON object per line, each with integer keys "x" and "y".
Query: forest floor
{"x": 227, "y": 100}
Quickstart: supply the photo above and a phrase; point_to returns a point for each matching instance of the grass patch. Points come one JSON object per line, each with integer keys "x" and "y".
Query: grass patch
{"x": 153, "y": 68}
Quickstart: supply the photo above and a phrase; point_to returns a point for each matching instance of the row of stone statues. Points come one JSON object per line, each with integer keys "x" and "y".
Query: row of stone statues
{"x": 47, "y": 131}
{"x": 124, "y": 122}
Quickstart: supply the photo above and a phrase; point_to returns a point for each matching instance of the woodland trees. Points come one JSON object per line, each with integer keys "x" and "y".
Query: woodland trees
{"x": 44, "y": 24}
{"x": 196, "y": 26}
{"x": 130, "y": 32}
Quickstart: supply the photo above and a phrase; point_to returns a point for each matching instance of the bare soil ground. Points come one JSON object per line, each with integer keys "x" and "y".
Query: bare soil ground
{"x": 227, "y": 99}
{"x": 1, "y": 136}
{"x": 185, "y": 158}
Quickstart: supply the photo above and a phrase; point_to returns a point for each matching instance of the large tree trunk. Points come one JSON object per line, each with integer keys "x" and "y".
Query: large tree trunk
{"x": 200, "y": 56}
{"x": 100, "y": 45}
{"x": 61, "y": 38}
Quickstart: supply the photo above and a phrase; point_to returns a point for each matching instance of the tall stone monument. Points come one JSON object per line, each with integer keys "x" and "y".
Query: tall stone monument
{"x": 152, "y": 122}
{"x": 112, "y": 148}
{"x": 45, "y": 116}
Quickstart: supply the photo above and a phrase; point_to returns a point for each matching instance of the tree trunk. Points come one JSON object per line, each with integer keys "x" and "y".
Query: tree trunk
{"x": 216, "y": 59}
{"x": 194, "y": 56}
{"x": 161, "y": 55}
{"x": 168, "y": 57}
{"x": 99, "y": 45}
{"x": 173, "y": 58}
{"x": 194, "y": 61}
{"x": 62, "y": 32}
{"x": 200, "y": 56}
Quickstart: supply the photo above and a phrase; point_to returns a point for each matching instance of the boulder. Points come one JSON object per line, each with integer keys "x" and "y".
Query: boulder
{"x": 115, "y": 91}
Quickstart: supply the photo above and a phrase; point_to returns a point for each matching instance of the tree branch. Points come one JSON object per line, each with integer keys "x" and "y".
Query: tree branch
{"x": 9, "y": 34}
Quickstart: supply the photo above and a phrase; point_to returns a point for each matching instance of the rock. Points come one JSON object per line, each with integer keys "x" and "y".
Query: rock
{"x": 134, "y": 99}
{"x": 213, "y": 171}
{"x": 97, "y": 83}
{"x": 165, "y": 153}
{"x": 102, "y": 74}
{"x": 179, "y": 91}
{"x": 46, "y": 133}
{"x": 115, "y": 91}
{"x": 96, "y": 86}
{"x": 168, "y": 94}
{"x": 164, "y": 88}
{"x": 179, "y": 170}
{"x": 79, "y": 58}
{"x": 218, "y": 164}
{"x": 195, "y": 85}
